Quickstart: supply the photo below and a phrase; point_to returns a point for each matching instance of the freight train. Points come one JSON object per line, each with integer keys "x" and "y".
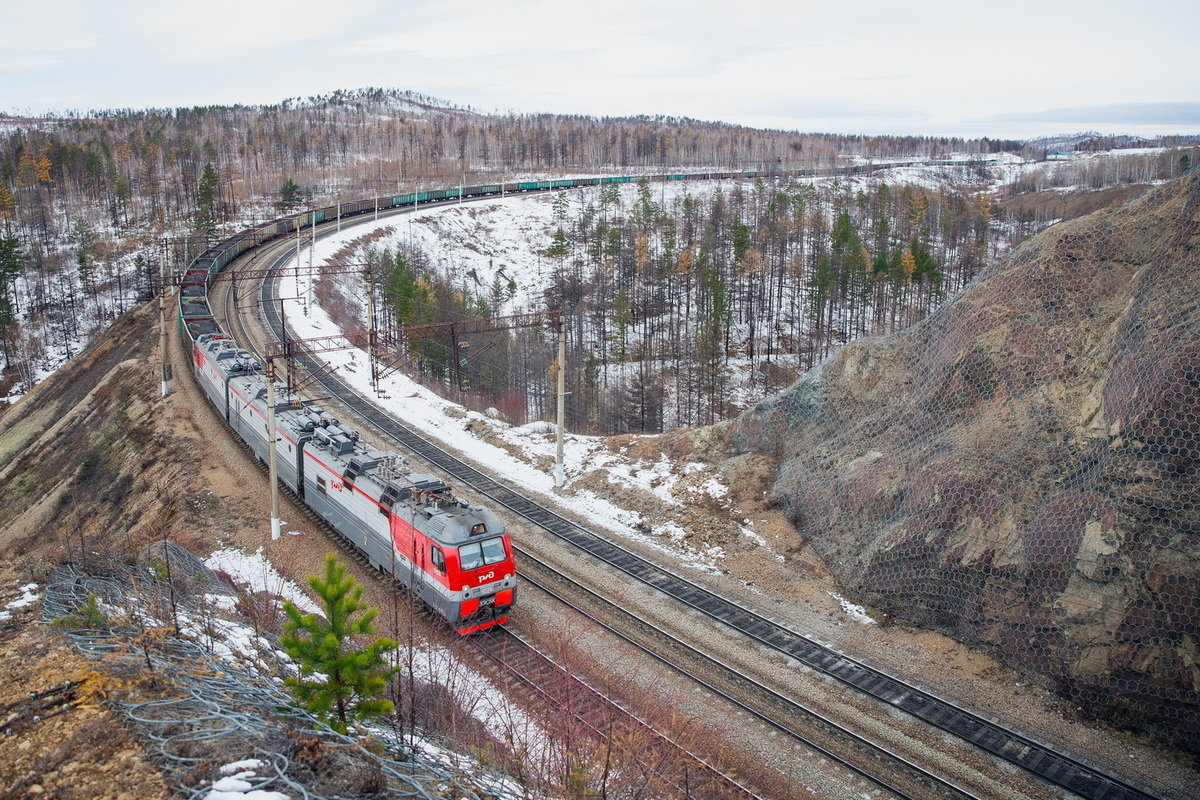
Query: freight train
{"x": 455, "y": 557}
{"x": 218, "y": 257}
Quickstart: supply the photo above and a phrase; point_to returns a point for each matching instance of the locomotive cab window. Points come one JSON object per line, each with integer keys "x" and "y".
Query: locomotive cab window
{"x": 481, "y": 554}
{"x": 438, "y": 558}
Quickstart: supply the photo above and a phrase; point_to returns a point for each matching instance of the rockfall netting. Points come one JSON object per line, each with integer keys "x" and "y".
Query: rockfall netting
{"x": 196, "y": 709}
{"x": 1021, "y": 470}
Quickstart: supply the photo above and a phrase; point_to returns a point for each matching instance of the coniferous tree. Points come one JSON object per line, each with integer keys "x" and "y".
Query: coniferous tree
{"x": 289, "y": 195}
{"x": 84, "y": 240}
{"x": 403, "y": 292}
{"x": 340, "y": 681}
{"x": 206, "y": 201}
{"x": 559, "y": 245}
{"x": 621, "y": 322}
{"x": 12, "y": 263}
{"x": 711, "y": 336}
{"x": 561, "y": 205}
{"x": 822, "y": 303}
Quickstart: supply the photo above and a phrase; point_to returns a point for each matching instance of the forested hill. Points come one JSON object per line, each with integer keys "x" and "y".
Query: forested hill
{"x": 1022, "y": 469}
{"x": 92, "y": 204}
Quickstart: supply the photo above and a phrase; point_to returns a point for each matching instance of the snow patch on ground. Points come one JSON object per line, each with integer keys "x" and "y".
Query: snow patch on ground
{"x": 749, "y": 533}
{"x": 238, "y": 783}
{"x": 230, "y": 641}
{"x": 29, "y": 596}
{"x": 258, "y": 574}
{"x": 853, "y": 610}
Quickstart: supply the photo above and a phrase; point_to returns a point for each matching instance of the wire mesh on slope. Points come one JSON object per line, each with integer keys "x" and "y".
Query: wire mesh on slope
{"x": 1021, "y": 470}
{"x": 197, "y": 712}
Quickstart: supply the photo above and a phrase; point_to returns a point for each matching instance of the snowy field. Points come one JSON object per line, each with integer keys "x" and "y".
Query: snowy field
{"x": 501, "y": 240}
{"x": 518, "y": 226}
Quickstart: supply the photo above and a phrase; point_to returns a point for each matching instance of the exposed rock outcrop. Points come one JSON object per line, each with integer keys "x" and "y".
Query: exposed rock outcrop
{"x": 1022, "y": 469}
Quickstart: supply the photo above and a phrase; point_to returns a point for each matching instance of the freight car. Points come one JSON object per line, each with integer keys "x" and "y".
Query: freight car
{"x": 455, "y": 557}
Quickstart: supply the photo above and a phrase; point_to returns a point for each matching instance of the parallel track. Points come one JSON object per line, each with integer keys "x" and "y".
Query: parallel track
{"x": 869, "y": 761}
{"x": 520, "y": 661}
{"x": 1039, "y": 759}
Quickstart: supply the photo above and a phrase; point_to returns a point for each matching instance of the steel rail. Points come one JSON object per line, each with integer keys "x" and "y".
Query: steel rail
{"x": 788, "y": 703}
{"x": 500, "y": 639}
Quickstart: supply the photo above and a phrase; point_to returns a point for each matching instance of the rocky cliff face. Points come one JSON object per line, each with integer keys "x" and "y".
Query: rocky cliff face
{"x": 1022, "y": 469}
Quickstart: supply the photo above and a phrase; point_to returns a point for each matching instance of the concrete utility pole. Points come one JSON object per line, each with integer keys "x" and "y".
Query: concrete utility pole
{"x": 298, "y": 246}
{"x": 559, "y": 472}
{"x": 312, "y": 247}
{"x": 162, "y": 321}
{"x": 272, "y": 468}
{"x": 372, "y": 341}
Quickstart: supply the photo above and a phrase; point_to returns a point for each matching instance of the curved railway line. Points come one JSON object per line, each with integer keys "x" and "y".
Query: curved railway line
{"x": 1006, "y": 745}
{"x": 504, "y": 653}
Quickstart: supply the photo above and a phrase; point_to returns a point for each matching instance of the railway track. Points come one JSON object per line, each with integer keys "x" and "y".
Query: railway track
{"x": 876, "y": 766}
{"x": 571, "y": 706}
{"x": 1009, "y": 746}
{"x": 513, "y": 659}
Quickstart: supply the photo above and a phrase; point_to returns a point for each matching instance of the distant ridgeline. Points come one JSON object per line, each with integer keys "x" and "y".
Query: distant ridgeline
{"x": 1021, "y": 470}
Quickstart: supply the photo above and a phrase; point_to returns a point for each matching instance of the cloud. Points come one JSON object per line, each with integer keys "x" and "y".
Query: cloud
{"x": 52, "y": 26}
{"x": 237, "y": 28}
{"x": 28, "y": 64}
{"x": 1172, "y": 113}
{"x": 935, "y": 66}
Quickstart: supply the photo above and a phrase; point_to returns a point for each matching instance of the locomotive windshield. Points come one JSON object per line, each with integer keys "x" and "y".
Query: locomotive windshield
{"x": 481, "y": 554}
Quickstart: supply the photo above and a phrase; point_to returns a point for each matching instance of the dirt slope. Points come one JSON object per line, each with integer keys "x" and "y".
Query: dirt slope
{"x": 94, "y": 465}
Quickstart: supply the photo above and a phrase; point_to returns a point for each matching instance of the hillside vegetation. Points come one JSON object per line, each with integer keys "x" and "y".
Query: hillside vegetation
{"x": 93, "y": 206}
{"x": 1021, "y": 469}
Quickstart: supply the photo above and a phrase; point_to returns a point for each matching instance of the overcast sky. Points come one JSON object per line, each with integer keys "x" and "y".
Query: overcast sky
{"x": 1020, "y": 68}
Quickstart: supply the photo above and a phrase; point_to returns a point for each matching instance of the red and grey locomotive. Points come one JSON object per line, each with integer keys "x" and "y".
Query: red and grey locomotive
{"x": 455, "y": 557}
